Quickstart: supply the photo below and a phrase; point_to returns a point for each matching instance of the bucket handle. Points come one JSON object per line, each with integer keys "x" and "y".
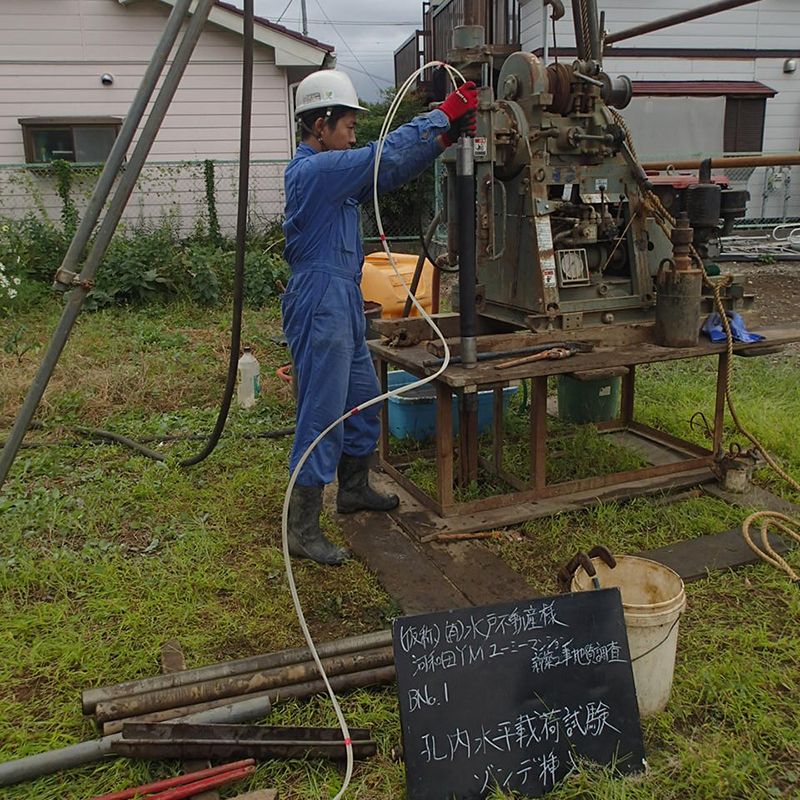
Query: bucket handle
{"x": 582, "y": 559}
{"x": 656, "y": 646}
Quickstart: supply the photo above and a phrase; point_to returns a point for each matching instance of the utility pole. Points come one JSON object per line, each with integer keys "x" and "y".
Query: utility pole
{"x": 305, "y": 18}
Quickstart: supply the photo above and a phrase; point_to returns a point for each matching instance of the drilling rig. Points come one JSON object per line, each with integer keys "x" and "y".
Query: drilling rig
{"x": 564, "y": 237}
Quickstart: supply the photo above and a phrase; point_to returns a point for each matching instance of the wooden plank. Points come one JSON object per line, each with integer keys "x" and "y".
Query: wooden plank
{"x": 756, "y": 497}
{"x": 611, "y": 336}
{"x": 458, "y": 376}
{"x": 538, "y": 433}
{"x": 400, "y": 564}
{"x": 444, "y": 445}
{"x": 479, "y": 574}
{"x": 470, "y": 568}
{"x": 467, "y": 438}
{"x": 428, "y": 524}
{"x": 696, "y": 558}
{"x": 383, "y": 441}
{"x": 628, "y": 394}
{"x": 497, "y": 429}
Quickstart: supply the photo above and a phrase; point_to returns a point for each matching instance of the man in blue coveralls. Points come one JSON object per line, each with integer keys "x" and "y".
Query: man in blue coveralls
{"x": 323, "y": 309}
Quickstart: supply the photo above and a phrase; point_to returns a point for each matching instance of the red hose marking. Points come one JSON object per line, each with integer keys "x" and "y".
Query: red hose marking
{"x": 348, "y": 742}
{"x": 383, "y": 237}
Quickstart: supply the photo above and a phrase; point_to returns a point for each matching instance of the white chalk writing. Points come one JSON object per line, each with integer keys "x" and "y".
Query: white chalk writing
{"x": 479, "y": 629}
{"x": 425, "y": 698}
{"x": 558, "y": 652}
{"x": 588, "y": 720}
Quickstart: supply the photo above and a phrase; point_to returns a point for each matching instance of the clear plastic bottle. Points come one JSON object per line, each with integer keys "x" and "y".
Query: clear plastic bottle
{"x": 249, "y": 376}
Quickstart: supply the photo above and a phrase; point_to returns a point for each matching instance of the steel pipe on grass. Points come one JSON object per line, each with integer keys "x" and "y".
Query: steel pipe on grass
{"x": 300, "y": 691}
{"x": 352, "y": 644}
{"x": 240, "y": 685}
{"x": 29, "y": 767}
{"x": 83, "y": 283}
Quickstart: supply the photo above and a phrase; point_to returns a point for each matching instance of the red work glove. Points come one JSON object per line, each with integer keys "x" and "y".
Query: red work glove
{"x": 461, "y": 101}
{"x": 465, "y": 126}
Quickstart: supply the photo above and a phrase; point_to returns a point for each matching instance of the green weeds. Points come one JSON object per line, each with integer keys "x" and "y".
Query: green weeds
{"x": 105, "y": 555}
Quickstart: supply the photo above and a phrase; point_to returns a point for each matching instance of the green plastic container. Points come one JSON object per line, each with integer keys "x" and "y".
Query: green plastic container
{"x": 582, "y": 402}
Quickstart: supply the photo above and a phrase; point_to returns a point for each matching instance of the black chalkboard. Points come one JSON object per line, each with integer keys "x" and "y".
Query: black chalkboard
{"x": 511, "y": 694}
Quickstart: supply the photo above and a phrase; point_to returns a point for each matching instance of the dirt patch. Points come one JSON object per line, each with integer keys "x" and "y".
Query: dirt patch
{"x": 776, "y": 288}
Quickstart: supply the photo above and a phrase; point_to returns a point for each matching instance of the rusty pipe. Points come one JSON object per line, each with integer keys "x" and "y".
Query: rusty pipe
{"x": 298, "y": 691}
{"x": 29, "y": 767}
{"x": 727, "y": 162}
{"x": 91, "y": 697}
{"x": 675, "y": 19}
{"x": 239, "y": 684}
{"x": 426, "y": 243}
{"x": 472, "y": 15}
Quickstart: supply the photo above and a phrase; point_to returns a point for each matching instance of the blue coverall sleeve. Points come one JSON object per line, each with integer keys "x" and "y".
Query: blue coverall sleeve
{"x": 406, "y": 152}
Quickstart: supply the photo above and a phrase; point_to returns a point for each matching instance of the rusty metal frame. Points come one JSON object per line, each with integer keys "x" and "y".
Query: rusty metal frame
{"x": 693, "y": 456}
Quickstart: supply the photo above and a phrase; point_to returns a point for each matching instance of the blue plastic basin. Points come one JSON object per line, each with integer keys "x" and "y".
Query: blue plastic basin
{"x": 413, "y": 415}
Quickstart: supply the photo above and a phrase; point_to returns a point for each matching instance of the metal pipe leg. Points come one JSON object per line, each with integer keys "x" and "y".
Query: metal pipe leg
{"x": 103, "y": 239}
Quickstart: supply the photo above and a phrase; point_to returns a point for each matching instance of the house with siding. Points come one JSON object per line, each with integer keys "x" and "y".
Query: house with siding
{"x": 724, "y": 83}
{"x": 727, "y": 82}
{"x": 69, "y": 70}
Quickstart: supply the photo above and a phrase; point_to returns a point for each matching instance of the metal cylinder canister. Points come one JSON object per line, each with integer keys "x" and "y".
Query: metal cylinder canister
{"x": 678, "y": 305}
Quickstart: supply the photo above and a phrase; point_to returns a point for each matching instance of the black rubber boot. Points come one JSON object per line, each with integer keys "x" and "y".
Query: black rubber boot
{"x": 355, "y": 493}
{"x": 306, "y": 540}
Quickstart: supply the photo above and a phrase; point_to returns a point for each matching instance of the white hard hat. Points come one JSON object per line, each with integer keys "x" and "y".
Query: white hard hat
{"x": 326, "y": 88}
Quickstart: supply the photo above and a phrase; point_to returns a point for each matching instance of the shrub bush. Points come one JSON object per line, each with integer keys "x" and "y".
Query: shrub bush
{"x": 140, "y": 265}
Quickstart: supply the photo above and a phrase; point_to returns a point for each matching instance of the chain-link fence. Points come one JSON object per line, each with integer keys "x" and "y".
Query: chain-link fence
{"x": 182, "y": 192}
{"x": 186, "y": 192}
{"x": 774, "y": 196}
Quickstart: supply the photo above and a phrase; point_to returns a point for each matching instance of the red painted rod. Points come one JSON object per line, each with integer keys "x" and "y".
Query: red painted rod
{"x": 180, "y": 780}
{"x": 190, "y": 789}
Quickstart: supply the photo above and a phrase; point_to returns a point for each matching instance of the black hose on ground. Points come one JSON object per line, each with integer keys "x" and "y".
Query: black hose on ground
{"x": 100, "y": 436}
{"x": 238, "y": 284}
{"x": 241, "y": 233}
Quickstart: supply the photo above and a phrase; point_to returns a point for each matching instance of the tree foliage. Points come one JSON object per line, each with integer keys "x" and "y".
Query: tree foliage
{"x": 400, "y": 205}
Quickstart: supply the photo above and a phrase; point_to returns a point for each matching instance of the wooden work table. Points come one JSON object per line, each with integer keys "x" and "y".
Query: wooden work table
{"x": 465, "y": 382}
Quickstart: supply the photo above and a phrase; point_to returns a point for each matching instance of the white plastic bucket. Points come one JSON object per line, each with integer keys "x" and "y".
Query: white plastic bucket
{"x": 653, "y": 599}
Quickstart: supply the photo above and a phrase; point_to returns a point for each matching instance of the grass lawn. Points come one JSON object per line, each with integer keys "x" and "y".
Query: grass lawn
{"x": 104, "y": 555}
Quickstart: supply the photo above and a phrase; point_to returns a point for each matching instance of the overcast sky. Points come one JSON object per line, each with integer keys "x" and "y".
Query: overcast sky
{"x": 361, "y": 46}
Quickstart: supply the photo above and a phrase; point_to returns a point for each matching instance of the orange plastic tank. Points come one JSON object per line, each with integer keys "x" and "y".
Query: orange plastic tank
{"x": 380, "y": 284}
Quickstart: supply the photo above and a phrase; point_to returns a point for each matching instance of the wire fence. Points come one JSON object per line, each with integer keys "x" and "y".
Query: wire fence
{"x": 181, "y": 191}
{"x": 774, "y": 195}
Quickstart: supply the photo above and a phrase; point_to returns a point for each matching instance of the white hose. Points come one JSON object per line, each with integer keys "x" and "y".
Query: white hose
{"x": 452, "y": 72}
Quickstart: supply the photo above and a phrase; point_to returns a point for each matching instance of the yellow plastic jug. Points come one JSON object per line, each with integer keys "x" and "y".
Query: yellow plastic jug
{"x": 380, "y": 284}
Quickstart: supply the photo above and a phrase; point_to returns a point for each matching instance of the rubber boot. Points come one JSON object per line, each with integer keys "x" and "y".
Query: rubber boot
{"x": 305, "y": 538}
{"x": 355, "y": 493}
